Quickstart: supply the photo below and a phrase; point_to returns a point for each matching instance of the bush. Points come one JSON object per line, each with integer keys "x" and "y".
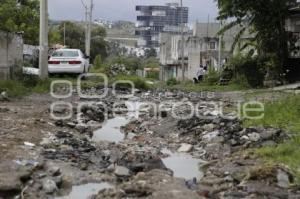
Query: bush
{"x": 131, "y": 63}
{"x": 137, "y": 81}
{"x": 172, "y": 82}
{"x": 13, "y": 88}
{"x": 98, "y": 62}
{"x": 249, "y": 69}
{"x": 153, "y": 75}
{"x": 212, "y": 77}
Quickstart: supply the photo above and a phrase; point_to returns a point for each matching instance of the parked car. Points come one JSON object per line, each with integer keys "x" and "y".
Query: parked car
{"x": 68, "y": 61}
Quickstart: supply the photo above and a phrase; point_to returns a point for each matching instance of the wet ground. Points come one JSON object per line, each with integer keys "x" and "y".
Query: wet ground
{"x": 134, "y": 155}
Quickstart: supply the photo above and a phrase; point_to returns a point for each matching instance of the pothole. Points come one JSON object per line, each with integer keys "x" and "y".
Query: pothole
{"x": 84, "y": 191}
{"x": 183, "y": 165}
{"x": 111, "y": 131}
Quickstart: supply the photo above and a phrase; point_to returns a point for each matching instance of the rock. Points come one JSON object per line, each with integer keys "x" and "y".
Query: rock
{"x": 245, "y": 137}
{"x": 121, "y": 171}
{"x": 71, "y": 124}
{"x": 283, "y": 180}
{"x": 49, "y": 186}
{"x": 269, "y": 134}
{"x": 58, "y": 180}
{"x": 9, "y": 183}
{"x": 210, "y": 136}
{"x": 4, "y": 96}
{"x": 209, "y": 127}
{"x": 185, "y": 148}
{"x": 254, "y": 137}
{"x": 53, "y": 170}
{"x": 192, "y": 184}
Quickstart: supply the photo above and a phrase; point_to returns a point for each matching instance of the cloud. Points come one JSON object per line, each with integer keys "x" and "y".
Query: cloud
{"x": 125, "y": 9}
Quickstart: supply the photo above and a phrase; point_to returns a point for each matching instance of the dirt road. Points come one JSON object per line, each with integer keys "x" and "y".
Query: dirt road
{"x": 106, "y": 150}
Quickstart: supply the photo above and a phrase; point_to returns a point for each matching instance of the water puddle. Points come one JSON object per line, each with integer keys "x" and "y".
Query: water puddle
{"x": 111, "y": 131}
{"x": 85, "y": 191}
{"x": 183, "y": 165}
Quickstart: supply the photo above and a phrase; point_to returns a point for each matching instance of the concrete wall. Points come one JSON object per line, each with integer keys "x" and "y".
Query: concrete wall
{"x": 11, "y": 53}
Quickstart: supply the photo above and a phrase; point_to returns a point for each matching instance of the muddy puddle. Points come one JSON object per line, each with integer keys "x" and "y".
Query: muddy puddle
{"x": 111, "y": 131}
{"x": 84, "y": 191}
{"x": 183, "y": 165}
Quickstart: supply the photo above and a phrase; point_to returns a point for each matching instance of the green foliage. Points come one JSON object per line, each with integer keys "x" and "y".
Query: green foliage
{"x": 287, "y": 153}
{"x": 248, "y": 71}
{"x": 172, "y": 82}
{"x": 152, "y": 62}
{"x": 75, "y": 38}
{"x": 212, "y": 77}
{"x": 21, "y": 18}
{"x": 150, "y": 53}
{"x": 13, "y": 88}
{"x": 265, "y": 19}
{"x": 98, "y": 62}
{"x": 153, "y": 75}
{"x": 131, "y": 63}
{"x": 283, "y": 114}
{"x": 138, "y": 82}
{"x": 55, "y": 36}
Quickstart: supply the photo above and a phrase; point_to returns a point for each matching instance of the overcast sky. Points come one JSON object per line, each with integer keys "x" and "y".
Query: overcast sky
{"x": 125, "y": 9}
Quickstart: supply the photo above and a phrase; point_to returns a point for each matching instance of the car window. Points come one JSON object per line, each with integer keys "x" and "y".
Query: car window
{"x": 65, "y": 54}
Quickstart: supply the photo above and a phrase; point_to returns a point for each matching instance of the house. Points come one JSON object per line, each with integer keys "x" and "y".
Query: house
{"x": 292, "y": 66}
{"x": 11, "y": 53}
{"x": 202, "y": 47}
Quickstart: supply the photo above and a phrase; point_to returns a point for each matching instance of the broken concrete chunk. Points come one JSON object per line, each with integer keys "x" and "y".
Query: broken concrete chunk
{"x": 185, "y": 148}
{"x": 122, "y": 171}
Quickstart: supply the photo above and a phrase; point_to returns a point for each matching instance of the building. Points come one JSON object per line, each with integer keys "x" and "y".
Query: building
{"x": 202, "y": 47}
{"x": 152, "y": 20}
{"x": 11, "y": 53}
{"x": 293, "y": 29}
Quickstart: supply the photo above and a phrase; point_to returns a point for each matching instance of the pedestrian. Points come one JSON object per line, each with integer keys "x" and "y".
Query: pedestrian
{"x": 200, "y": 73}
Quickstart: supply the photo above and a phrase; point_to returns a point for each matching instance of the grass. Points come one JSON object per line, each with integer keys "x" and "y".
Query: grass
{"x": 191, "y": 87}
{"x": 138, "y": 82}
{"x": 287, "y": 153}
{"x": 13, "y": 88}
{"x": 285, "y": 114}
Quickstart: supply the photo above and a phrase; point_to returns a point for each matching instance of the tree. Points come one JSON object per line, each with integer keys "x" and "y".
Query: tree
{"x": 150, "y": 53}
{"x": 75, "y": 38}
{"x": 21, "y": 16}
{"x": 265, "y": 19}
{"x": 75, "y": 35}
{"x": 54, "y": 35}
{"x": 98, "y": 44}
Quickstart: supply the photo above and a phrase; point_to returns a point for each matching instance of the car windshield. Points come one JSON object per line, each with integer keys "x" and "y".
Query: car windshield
{"x": 65, "y": 54}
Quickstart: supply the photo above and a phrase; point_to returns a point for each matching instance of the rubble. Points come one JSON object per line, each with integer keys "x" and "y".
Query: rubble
{"x": 135, "y": 167}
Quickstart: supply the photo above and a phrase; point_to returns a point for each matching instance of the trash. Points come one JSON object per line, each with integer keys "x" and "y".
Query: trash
{"x": 28, "y": 144}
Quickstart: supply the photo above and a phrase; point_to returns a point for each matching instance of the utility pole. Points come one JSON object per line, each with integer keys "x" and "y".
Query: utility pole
{"x": 86, "y": 12}
{"x": 88, "y": 50}
{"x": 64, "y": 34}
{"x": 220, "y": 47}
{"x": 182, "y": 42}
{"x": 43, "y": 53}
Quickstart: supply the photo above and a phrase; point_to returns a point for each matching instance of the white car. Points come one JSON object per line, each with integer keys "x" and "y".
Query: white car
{"x": 68, "y": 61}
